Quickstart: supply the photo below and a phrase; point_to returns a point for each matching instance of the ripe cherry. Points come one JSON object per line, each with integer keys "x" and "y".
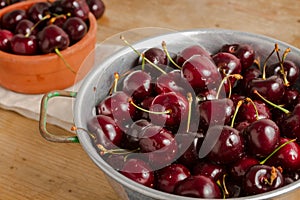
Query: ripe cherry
{"x": 38, "y": 11}
{"x": 76, "y": 28}
{"x": 5, "y": 37}
{"x": 23, "y": 45}
{"x": 209, "y": 169}
{"x": 97, "y": 7}
{"x": 190, "y": 51}
{"x": 10, "y": 19}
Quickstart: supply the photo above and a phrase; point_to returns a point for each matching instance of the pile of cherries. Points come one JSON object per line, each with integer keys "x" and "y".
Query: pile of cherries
{"x": 202, "y": 124}
{"x": 47, "y": 26}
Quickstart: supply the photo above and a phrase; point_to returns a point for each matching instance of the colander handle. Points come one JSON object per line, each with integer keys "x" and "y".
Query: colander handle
{"x": 43, "y": 117}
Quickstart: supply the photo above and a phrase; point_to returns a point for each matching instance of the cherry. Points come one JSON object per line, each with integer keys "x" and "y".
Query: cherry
{"x": 106, "y": 132}
{"x": 290, "y": 125}
{"x": 5, "y": 37}
{"x": 198, "y": 186}
{"x": 262, "y": 178}
{"x": 159, "y": 146}
{"x": 25, "y": 27}
{"x": 10, "y": 19}
{"x": 200, "y": 72}
{"x": 271, "y": 88}
{"x": 262, "y": 137}
{"x": 168, "y": 177}
{"x": 248, "y": 75}
{"x": 174, "y": 106}
{"x": 23, "y": 45}
{"x": 138, "y": 85}
{"x": 287, "y": 157}
{"x": 96, "y": 7}
{"x": 239, "y": 168}
{"x": 222, "y": 145}
{"x": 77, "y": 8}
{"x": 139, "y": 171}
{"x": 208, "y": 169}
{"x": 290, "y": 98}
{"x": 51, "y": 38}
{"x": 76, "y": 28}
{"x": 4, "y": 3}
{"x": 248, "y": 111}
{"x": 156, "y": 56}
{"x": 38, "y": 11}
{"x": 216, "y": 111}
{"x": 190, "y": 51}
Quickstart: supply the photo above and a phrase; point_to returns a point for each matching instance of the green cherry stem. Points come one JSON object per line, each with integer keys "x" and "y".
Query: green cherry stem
{"x": 190, "y": 100}
{"x": 149, "y": 111}
{"x": 255, "y": 108}
{"x": 164, "y": 46}
{"x": 276, "y": 150}
{"x": 271, "y": 103}
{"x": 140, "y": 54}
{"x": 35, "y": 25}
{"x": 238, "y": 105}
{"x": 64, "y": 60}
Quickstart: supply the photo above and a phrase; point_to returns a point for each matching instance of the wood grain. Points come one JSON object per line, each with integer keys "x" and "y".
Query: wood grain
{"x": 32, "y": 168}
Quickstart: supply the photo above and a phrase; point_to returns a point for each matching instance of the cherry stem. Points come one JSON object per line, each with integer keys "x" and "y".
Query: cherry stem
{"x": 282, "y": 71}
{"x": 74, "y": 128}
{"x": 164, "y": 46}
{"x": 255, "y": 108}
{"x": 35, "y": 25}
{"x": 271, "y": 103}
{"x": 237, "y": 76}
{"x": 57, "y": 16}
{"x": 257, "y": 62}
{"x": 138, "y": 53}
{"x": 238, "y": 105}
{"x": 226, "y": 193}
{"x": 64, "y": 60}
{"x": 149, "y": 111}
{"x": 114, "y": 151}
{"x": 116, "y": 75}
{"x": 265, "y": 63}
{"x": 143, "y": 61}
{"x": 275, "y": 151}
{"x": 190, "y": 100}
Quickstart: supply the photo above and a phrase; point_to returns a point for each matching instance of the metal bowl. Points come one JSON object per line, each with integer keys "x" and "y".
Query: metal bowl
{"x": 98, "y": 82}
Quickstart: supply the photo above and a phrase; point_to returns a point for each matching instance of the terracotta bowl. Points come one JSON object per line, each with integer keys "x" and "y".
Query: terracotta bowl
{"x": 42, "y": 73}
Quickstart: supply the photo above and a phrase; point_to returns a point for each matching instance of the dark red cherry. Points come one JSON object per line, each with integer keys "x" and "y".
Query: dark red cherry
{"x": 248, "y": 75}
{"x": 201, "y": 72}
{"x": 290, "y": 98}
{"x": 209, "y": 169}
{"x": 216, "y": 111}
{"x": 168, "y": 177}
{"x": 262, "y": 178}
{"x": 38, "y": 11}
{"x": 139, "y": 171}
{"x": 138, "y": 85}
{"x": 25, "y": 27}
{"x": 271, "y": 88}
{"x": 23, "y": 45}
{"x": 288, "y": 157}
{"x": 247, "y": 111}
{"x": 105, "y": 131}
{"x": 176, "y": 106}
{"x": 4, "y": 3}
{"x": 290, "y": 124}
{"x": 52, "y": 37}
{"x": 76, "y": 28}
{"x": 198, "y": 186}
{"x": 158, "y": 145}
{"x": 239, "y": 168}
{"x": 190, "y": 51}
{"x": 156, "y": 56}
{"x": 77, "y": 8}
{"x": 97, "y": 7}
{"x": 290, "y": 69}
{"x": 262, "y": 137}
{"x": 10, "y": 19}
{"x": 5, "y": 37}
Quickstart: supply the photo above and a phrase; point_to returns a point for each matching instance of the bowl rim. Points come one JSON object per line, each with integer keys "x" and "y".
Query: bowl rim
{"x": 118, "y": 177}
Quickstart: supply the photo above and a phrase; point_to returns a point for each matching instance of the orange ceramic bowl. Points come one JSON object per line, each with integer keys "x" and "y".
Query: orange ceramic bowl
{"x": 42, "y": 73}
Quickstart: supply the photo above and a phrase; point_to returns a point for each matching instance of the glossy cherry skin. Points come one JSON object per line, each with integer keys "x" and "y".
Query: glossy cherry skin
{"x": 217, "y": 111}
{"x": 156, "y": 56}
{"x": 288, "y": 157}
{"x": 106, "y": 132}
{"x": 168, "y": 177}
{"x": 38, "y": 11}
{"x": 198, "y": 186}
{"x": 290, "y": 124}
{"x": 23, "y": 45}
{"x": 77, "y": 8}
{"x": 76, "y": 28}
{"x": 175, "y": 103}
{"x": 262, "y": 137}
{"x": 158, "y": 145}
{"x": 248, "y": 75}
{"x": 201, "y": 72}
{"x": 290, "y": 98}
{"x": 222, "y": 145}
{"x": 271, "y": 88}
{"x": 97, "y": 7}
{"x": 290, "y": 69}
{"x": 247, "y": 111}
{"x": 138, "y": 85}
{"x": 209, "y": 169}
{"x": 238, "y": 169}
{"x": 24, "y": 27}
{"x": 10, "y": 19}
{"x": 258, "y": 180}
{"x": 139, "y": 171}
{"x": 190, "y": 51}
{"x": 5, "y": 37}
{"x": 52, "y": 37}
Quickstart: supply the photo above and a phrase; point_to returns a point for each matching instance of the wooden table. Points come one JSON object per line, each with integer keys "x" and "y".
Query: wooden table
{"x": 32, "y": 168}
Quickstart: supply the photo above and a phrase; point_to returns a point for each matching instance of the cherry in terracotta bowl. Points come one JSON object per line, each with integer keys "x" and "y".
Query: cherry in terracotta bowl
{"x": 40, "y": 73}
